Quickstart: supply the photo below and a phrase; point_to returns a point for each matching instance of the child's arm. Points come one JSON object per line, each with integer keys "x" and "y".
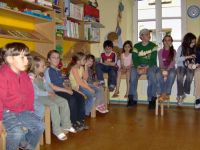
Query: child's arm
{"x": 80, "y": 81}
{"x": 85, "y": 73}
{"x": 38, "y": 91}
{"x": 60, "y": 89}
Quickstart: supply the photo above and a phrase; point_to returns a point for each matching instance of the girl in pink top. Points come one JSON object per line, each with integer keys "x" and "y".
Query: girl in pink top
{"x": 124, "y": 66}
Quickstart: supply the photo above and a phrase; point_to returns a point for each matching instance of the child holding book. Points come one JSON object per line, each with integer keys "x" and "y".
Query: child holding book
{"x": 23, "y": 127}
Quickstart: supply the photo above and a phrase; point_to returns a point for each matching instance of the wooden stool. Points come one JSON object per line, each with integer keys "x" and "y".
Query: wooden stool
{"x": 161, "y": 104}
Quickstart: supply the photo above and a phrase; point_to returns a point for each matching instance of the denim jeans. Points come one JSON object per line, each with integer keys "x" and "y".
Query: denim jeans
{"x": 183, "y": 86}
{"x": 39, "y": 109}
{"x": 165, "y": 86}
{"x": 197, "y": 83}
{"x": 151, "y": 89}
{"x": 76, "y": 105}
{"x": 99, "y": 94}
{"x": 21, "y": 127}
{"x": 89, "y": 101}
{"x": 112, "y": 73}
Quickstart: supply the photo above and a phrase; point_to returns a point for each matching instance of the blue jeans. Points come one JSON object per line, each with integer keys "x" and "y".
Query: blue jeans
{"x": 112, "y": 73}
{"x": 165, "y": 86}
{"x": 39, "y": 109}
{"x": 89, "y": 101}
{"x": 183, "y": 86}
{"x": 151, "y": 89}
{"x": 99, "y": 94}
{"x": 24, "y": 127}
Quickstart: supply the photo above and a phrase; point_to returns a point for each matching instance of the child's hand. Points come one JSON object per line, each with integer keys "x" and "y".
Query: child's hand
{"x": 51, "y": 94}
{"x": 69, "y": 91}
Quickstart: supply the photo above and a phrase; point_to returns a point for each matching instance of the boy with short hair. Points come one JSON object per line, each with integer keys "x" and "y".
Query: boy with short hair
{"x": 108, "y": 64}
{"x": 144, "y": 62}
{"x": 24, "y": 128}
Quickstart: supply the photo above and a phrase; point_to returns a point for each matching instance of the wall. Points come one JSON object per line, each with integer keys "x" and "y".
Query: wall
{"x": 108, "y": 17}
{"x": 193, "y": 25}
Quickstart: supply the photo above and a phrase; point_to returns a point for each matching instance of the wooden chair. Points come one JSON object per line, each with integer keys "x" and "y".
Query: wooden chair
{"x": 47, "y": 126}
{"x": 161, "y": 104}
{"x": 3, "y": 140}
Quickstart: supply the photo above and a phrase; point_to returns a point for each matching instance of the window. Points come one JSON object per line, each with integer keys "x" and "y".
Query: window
{"x": 161, "y": 17}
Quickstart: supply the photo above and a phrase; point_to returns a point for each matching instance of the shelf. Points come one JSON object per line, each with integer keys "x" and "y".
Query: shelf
{"x": 95, "y": 24}
{"x": 77, "y": 2}
{"x": 21, "y": 34}
{"x": 21, "y": 4}
{"x": 22, "y": 16}
{"x": 78, "y": 40}
{"x": 73, "y": 19}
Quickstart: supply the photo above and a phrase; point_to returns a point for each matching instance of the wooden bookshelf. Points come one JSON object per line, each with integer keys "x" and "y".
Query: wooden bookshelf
{"x": 26, "y": 4}
{"x": 22, "y": 16}
{"x": 79, "y": 40}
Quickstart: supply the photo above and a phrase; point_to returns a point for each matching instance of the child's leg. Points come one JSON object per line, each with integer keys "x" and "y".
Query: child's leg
{"x": 197, "y": 83}
{"x": 128, "y": 73}
{"x": 72, "y": 101}
{"x": 64, "y": 112}
{"x": 34, "y": 126}
{"x": 39, "y": 109}
{"x": 98, "y": 94}
{"x": 180, "y": 76}
{"x": 15, "y": 132}
{"x": 118, "y": 81}
{"x": 170, "y": 80}
{"x": 89, "y": 102}
{"x": 55, "y": 114}
{"x": 112, "y": 78}
{"x": 188, "y": 80}
{"x": 100, "y": 69}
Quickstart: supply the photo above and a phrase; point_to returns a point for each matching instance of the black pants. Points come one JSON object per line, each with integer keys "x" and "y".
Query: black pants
{"x": 76, "y": 105}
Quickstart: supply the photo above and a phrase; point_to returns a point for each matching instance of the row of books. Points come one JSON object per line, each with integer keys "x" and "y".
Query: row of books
{"x": 71, "y": 29}
{"x": 73, "y": 10}
{"x": 90, "y": 33}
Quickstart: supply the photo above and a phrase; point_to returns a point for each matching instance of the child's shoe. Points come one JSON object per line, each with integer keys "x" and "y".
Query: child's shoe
{"x": 71, "y": 129}
{"x": 101, "y": 109}
{"x": 62, "y": 137}
{"x": 197, "y": 104}
{"x": 111, "y": 88}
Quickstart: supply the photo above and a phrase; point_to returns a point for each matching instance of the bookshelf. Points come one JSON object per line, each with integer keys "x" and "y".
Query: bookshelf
{"x": 28, "y": 21}
{"x": 78, "y": 29}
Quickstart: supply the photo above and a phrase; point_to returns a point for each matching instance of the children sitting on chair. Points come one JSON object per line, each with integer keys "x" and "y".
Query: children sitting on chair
{"x": 78, "y": 76}
{"x": 23, "y": 127}
{"x": 75, "y": 100}
{"x": 124, "y": 67}
{"x": 185, "y": 59}
{"x": 94, "y": 84}
{"x": 108, "y": 64}
{"x": 60, "y": 113}
{"x": 197, "y": 76}
{"x": 144, "y": 62}
{"x": 166, "y": 73}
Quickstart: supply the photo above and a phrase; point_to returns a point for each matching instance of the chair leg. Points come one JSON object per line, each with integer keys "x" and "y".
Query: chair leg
{"x": 47, "y": 126}
{"x": 37, "y": 147}
{"x": 161, "y": 109}
{"x": 42, "y": 140}
{"x": 157, "y": 105}
{"x": 93, "y": 112}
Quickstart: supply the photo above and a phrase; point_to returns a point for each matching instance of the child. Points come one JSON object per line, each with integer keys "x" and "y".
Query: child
{"x": 75, "y": 99}
{"x": 23, "y": 127}
{"x": 144, "y": 59}
{"x": 197, "y": 76}
{"x": 166, "y": 73}
{"x": 184, "y": 59}
{"x": 60, "y": 114}
{"x": 78, "y": 77}
{"x": 125, "y": 67}
{"x": 91, "y": 80}
{"x": 108, "y": 64}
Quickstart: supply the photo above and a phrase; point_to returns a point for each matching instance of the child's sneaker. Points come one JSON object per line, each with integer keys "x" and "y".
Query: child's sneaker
{"x": 102, "y": 83}
{"x": 62, "y": 137}
{"x": 71, "y": 129}
{"x": 197, "y": 104}
{"x": 111, "y": 88}
{"x": 101, "y": 109}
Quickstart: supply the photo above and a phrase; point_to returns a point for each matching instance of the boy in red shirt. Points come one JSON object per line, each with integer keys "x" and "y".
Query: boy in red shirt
{"x": 108, "y": 64}
{"x": 23, "y": 127}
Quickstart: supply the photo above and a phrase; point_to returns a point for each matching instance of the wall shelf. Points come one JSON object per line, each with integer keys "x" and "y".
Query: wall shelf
{"x": 22, "y": 16}
{"x": 79, "y": 40}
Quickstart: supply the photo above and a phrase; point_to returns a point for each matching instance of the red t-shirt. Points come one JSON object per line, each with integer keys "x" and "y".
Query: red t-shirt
{"x": 112, "y": 57}
{"x": 16, "y": 91}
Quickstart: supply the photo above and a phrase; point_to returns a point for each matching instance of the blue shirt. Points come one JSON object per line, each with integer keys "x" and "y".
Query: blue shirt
{"x": 56, "y": 77}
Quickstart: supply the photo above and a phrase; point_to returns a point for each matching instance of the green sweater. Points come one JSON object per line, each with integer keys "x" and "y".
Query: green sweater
{"x": 144, "y": 55}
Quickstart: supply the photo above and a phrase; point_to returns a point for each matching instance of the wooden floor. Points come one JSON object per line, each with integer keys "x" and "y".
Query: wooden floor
{"x": 136, "y": 129}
